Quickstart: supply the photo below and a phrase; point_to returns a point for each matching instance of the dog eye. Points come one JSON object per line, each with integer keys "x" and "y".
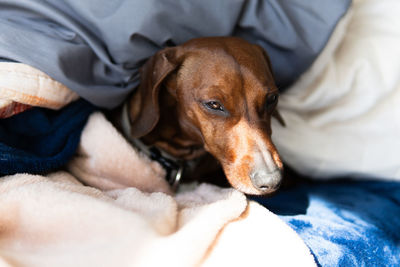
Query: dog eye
{"x": 272, "y": 99}
{"x": 214, "y": 105}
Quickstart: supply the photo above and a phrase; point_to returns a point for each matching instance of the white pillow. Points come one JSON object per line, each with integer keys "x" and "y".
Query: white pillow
{"x": 343, "y": 114}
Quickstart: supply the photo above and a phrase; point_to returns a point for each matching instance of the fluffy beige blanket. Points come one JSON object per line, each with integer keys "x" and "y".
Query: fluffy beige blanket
{"x": 105, "y": 211}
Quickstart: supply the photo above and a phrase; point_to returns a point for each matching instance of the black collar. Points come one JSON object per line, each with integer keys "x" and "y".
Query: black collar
{"x": 174, "y": 167}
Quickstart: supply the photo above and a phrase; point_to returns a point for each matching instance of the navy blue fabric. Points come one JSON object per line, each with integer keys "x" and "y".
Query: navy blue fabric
{"x": 344, "y": 223}
{"x": 40, "y": 140}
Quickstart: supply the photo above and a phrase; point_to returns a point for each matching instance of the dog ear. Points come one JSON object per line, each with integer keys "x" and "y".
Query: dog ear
{"x": 276, "y": 113}
{"x": 266, "y": 57}
{"x": 144, "y": 105}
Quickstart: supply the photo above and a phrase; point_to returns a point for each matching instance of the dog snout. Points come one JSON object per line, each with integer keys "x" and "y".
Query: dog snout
{"x": 265, "y": 181}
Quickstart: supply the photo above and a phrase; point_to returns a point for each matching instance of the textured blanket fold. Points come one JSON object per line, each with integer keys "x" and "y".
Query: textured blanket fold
{"x": 105, "y": 160}
{"x": 57, "y": 221}
{"x": 23, "y": 87}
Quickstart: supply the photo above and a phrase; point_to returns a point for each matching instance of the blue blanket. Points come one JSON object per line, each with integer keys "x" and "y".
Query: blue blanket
{"x": 40, "y": 140}
{"x": 344, "y": 223}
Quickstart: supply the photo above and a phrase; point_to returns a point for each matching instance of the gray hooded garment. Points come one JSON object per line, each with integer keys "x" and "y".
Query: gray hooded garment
{"x": 96, "y": 47}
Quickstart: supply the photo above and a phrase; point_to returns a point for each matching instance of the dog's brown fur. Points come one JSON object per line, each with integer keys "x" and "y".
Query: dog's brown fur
{"x": 216, "y": 95}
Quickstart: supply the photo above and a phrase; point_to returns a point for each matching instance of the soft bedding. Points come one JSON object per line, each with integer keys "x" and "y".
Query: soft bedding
{"x": 45, "y": 135}
{"x": 41, "y": 140}
{"x": 96, "y": 47}
{"x": 343, "y": 114}
{"x": 55, "y": 220}
{"x": 345, "y": 222}
{"x": 342, "y": 120}
{"x": 22, "y": 87}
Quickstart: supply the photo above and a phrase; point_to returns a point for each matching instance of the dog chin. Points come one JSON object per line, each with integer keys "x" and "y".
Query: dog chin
{"x": 249, "y": 190}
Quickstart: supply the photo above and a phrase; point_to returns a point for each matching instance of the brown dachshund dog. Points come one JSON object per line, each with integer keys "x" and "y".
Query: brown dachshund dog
{"x": 216, "y": 95}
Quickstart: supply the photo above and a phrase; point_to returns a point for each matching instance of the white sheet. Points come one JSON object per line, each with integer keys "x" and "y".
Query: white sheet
{"x": 343, "y": 115}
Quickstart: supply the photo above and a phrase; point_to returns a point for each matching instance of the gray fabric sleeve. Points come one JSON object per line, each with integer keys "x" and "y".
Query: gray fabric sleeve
{"x": 96, "y": 47}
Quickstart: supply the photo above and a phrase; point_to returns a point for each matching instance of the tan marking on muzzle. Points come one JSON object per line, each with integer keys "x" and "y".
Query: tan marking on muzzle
{"x": 250, "y": 149}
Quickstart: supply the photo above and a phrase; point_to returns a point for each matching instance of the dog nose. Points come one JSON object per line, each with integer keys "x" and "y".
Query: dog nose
{"x": 266, "y": 182}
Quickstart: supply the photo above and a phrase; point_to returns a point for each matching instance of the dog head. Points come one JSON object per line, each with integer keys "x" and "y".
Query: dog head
{"x": 222, "y": 96}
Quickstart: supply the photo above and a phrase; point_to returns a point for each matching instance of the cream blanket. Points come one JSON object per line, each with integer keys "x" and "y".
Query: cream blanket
{"x": 58, "y": 221}
{"x": 343, "y": 115}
